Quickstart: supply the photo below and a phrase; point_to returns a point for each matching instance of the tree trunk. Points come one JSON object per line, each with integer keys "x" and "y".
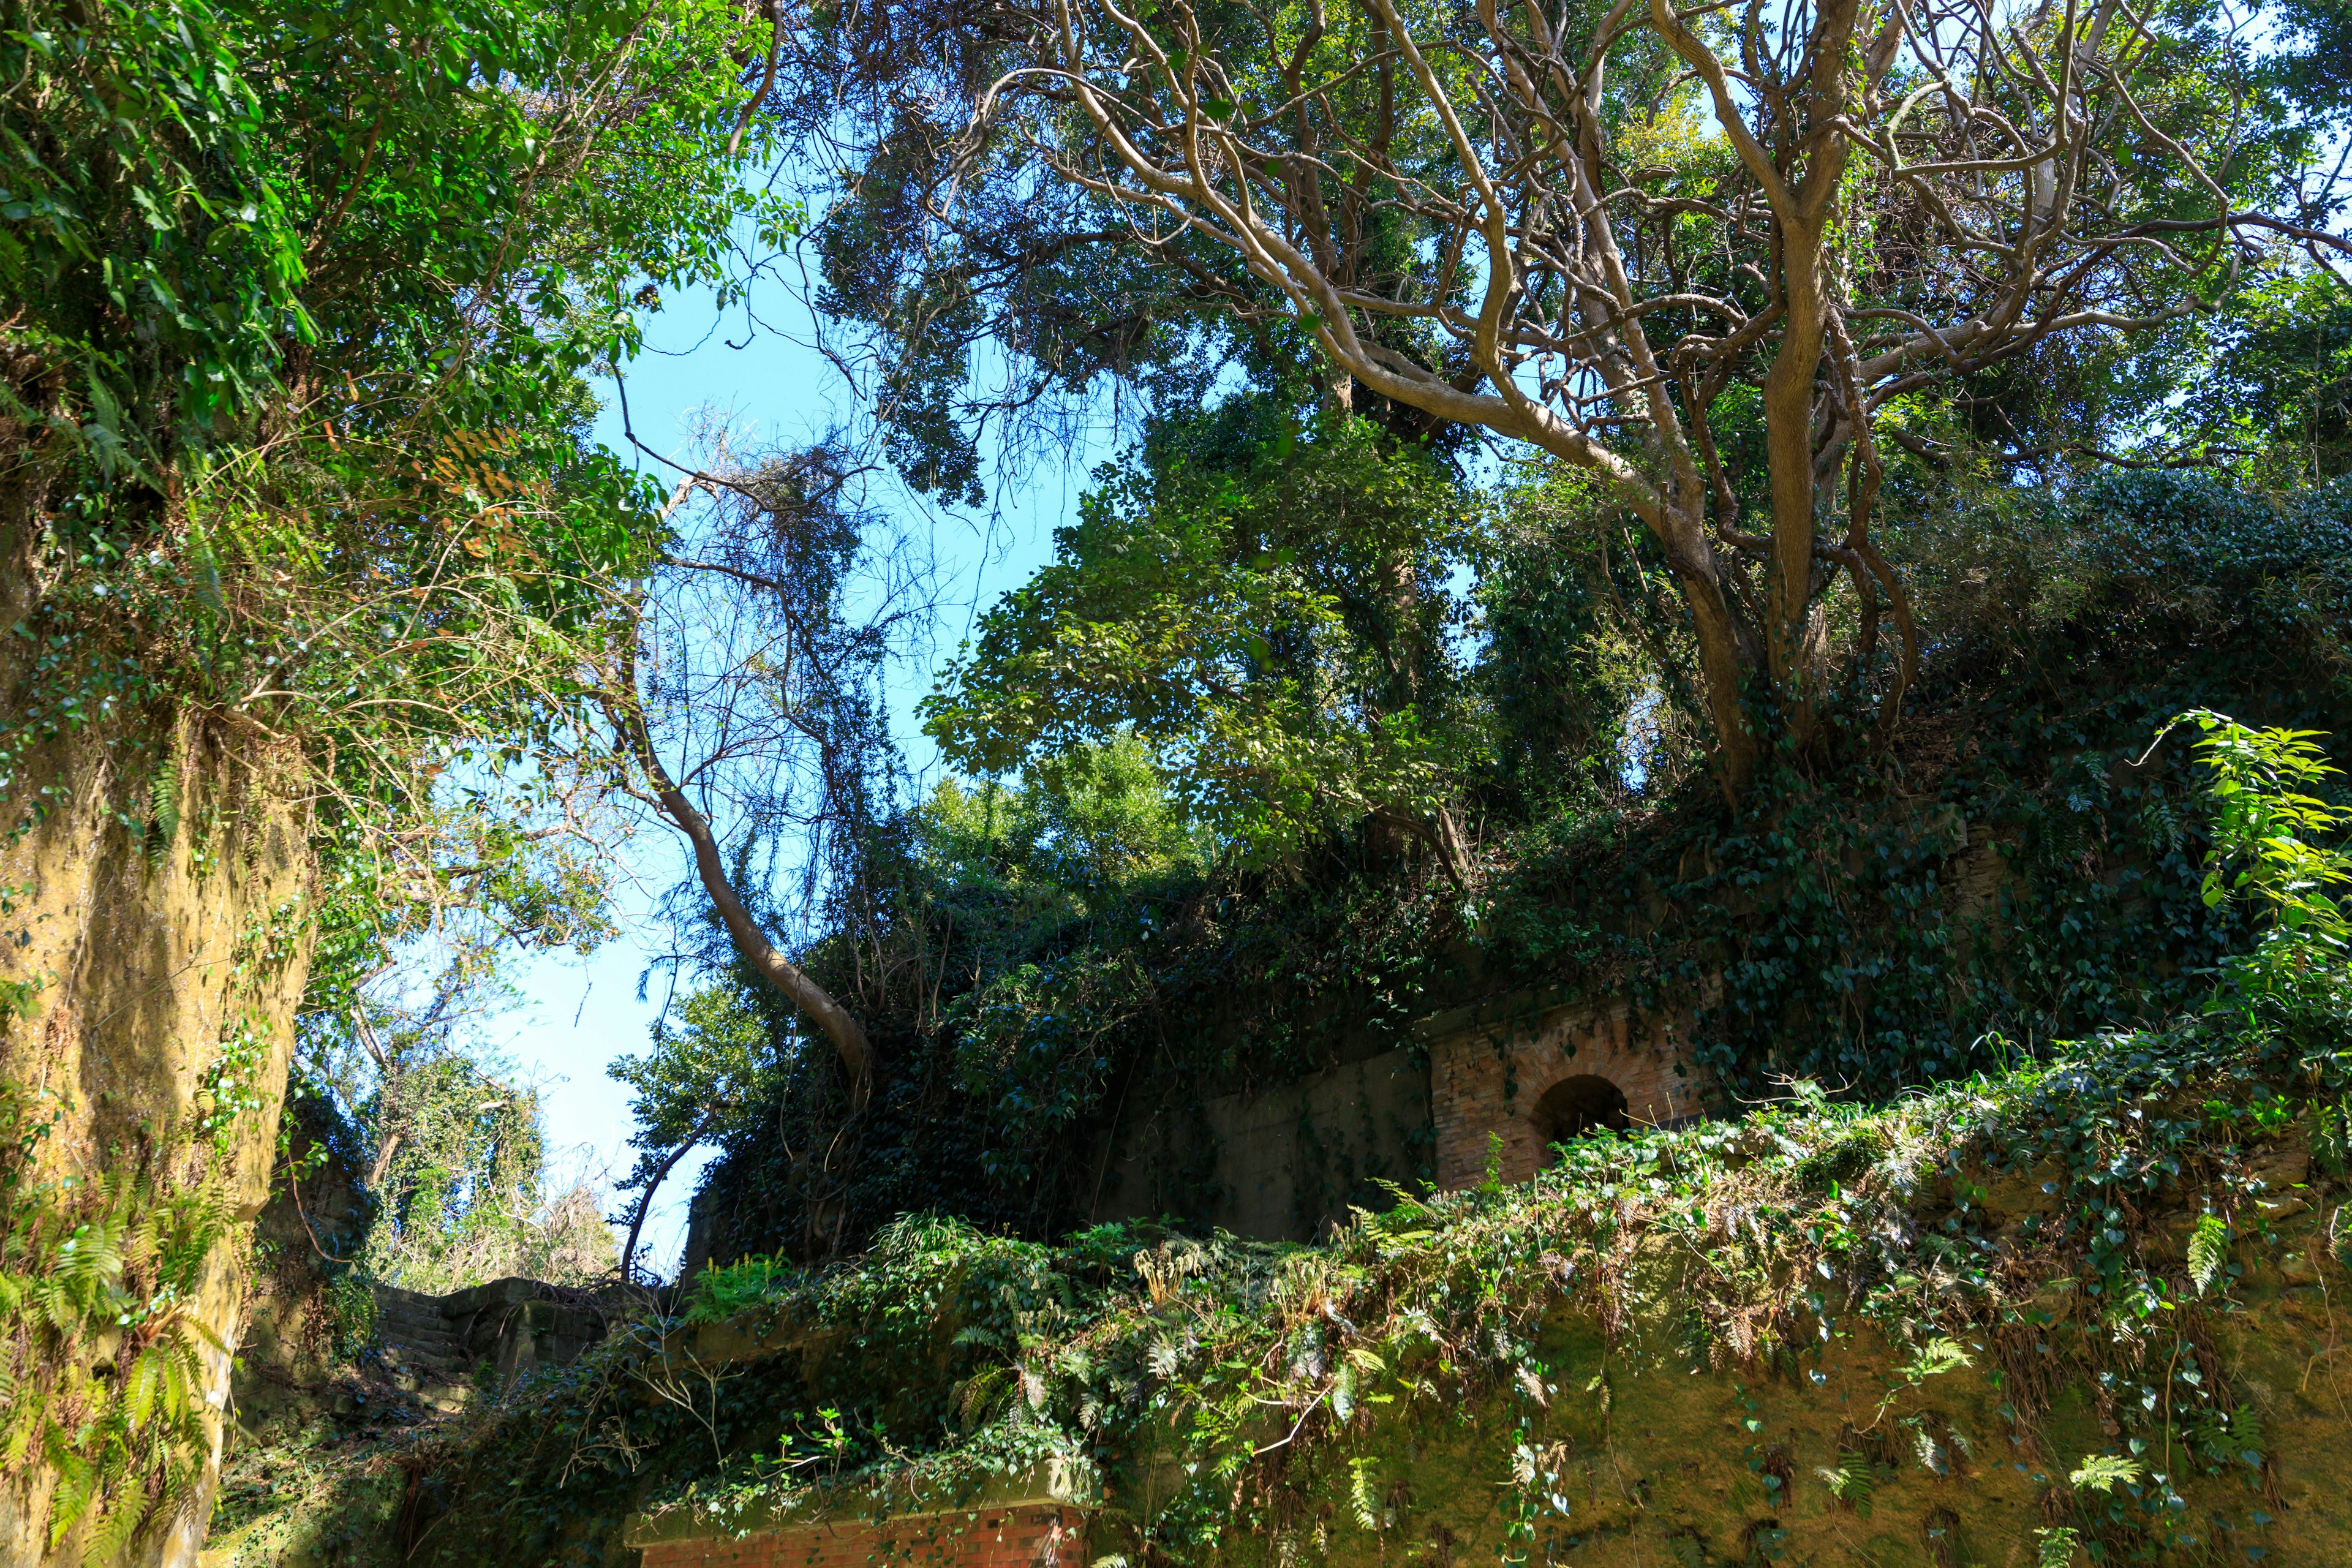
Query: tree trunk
{"x": 646, "y": 1203}
{"x": 838, "y": 1024}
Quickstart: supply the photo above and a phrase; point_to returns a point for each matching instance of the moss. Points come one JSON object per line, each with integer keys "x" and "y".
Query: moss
{"x": 1842, "y": 1347}
{"x": 1841, "y": 1158}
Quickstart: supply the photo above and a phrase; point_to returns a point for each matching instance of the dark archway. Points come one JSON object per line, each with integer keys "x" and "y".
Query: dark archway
{"x": 1577, "y": 1105}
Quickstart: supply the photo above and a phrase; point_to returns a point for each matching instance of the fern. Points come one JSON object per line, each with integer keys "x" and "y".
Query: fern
{"x": 140, "y": 1389}
{"x": 77, "y": 1486}
{"x": 115, "y": 1258}
{"x": 1363, "y": 1491}
{"x": 109, "y": 1537}
{"x": 1937, "y": 1357}
{"x": 983, "y": 1396}
{"x": 2104, "y": 1472}
{"x": 1853, "y": 1483}
{"x": 2054, "y": 1547}
{"x": 20, "y": 1401}
{"x": 163, "y": 806}
{"x": 2209, "y": 1249}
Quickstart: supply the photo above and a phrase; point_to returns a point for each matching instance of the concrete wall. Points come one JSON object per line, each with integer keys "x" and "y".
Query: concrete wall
{"x": 1284, "y": 1161}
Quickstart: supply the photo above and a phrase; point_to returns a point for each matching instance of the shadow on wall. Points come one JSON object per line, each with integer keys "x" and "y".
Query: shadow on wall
{"x": 1284, "y": 1162}
{"x": 1287, "y": 1161}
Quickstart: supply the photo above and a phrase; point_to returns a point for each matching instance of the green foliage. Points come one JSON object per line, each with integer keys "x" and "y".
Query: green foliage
{"x": 2209, "y": 1247}
{"x": 140, "y": 201}
{"x": 1264, "y": 1366}
{"x": 459, "y": 1196}
{"x": 199, "y": 189}
{"x": 1264, "y": 608}
{"x": 2277, "y": 394}
{"x": 299, "y": 308}
{"x": 1855, "y": 1480}
{"x": 714, "y": 1063}
{"x": 103, "y": 1375}
{"x": 975, "y": 1355}
{"x": 2010, "y": 871}
{"x": 2017, "y": 871}
{"x": 1095, "y": 819}
{"x": 2105, "y": 1472}
{"x": 2055, "y": 1547}
{"x": 2280, "y": 837}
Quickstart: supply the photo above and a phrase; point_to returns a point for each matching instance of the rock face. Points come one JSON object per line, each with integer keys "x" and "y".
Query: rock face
{"x": 437, "y": 1344}
{"x": 155, "y": 935}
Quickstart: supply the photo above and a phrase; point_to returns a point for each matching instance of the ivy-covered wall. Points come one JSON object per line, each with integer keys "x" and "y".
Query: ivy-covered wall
{"x": 2075, "y": 1310}
{"x": 2012, "y": 866}
{"x": 1285, "y": 1162}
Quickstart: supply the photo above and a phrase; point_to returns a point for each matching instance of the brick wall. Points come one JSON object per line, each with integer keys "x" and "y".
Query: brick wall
{"x": 1047, "y": 1537}
{"x": 1488, "y": 1078}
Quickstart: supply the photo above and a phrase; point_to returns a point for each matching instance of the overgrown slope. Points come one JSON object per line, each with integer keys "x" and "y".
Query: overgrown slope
{"x": 2091, "y": 1294}
{"x": 2082, "y": 1303}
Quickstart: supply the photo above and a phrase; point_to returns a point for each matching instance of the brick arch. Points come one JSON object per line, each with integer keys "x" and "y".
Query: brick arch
{"x": 1576, "y": 1104}
{"x": 1490, "y": 1064}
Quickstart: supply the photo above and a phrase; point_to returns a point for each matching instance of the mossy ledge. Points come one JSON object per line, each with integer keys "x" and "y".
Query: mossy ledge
{"x": 2080, "y": 1311}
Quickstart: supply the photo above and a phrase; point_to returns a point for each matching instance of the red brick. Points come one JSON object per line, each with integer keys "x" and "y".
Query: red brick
{"x": 1487, "y": 1080}
{"x": 1022, "y": 1538}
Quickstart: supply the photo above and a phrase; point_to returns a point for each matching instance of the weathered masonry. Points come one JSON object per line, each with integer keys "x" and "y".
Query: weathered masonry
{"x": 1036, "y": 1519}
{"x": 1506, "y": 1078}
{"x": 1509, "y": 1080}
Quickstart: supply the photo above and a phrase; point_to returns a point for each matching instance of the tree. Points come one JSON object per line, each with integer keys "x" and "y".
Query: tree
{"x": 1262, "y": 603}
{"x": 699, "y": 1080}
{"x": 301, "y": 553}
{"x": 745, "y": 650}
{"x": 1707, "y": 255}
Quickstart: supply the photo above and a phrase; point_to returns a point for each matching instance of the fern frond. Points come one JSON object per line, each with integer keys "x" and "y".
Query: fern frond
{"x": 77, "y": 1486}
{"x": 2102, "y": 1472}
{"x": 140, "y": 1387}
{"x": 2209, "y": 1249}
{"x": 1363, "y": 1490}
{"x": 110, "y": 1538}
{"x": 163, "y": 805}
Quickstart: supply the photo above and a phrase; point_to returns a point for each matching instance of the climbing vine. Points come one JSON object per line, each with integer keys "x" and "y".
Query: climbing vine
{"x": 2072, "y": 1224}
{"x": 2016, "y": 865}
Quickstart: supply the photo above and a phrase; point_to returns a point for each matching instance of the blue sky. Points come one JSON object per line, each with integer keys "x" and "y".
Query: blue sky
{"x": 576, "y": 1016}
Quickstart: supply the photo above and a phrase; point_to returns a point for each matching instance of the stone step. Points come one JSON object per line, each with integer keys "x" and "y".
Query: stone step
{"x": 432, "y": 1340}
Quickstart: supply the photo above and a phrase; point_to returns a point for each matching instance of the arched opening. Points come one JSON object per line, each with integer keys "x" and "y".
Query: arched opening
{"x": 1577, "y": 1105}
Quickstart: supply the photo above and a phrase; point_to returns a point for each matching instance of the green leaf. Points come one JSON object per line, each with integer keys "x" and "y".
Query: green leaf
{"x": 2104, "y": 1472}
{"x": 2208, "y": 1249}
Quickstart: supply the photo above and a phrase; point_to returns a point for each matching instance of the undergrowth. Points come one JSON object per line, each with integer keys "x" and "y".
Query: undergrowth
{"x": 102, "y": 1373}
{"x": 2026, "y": 1223}
{"x": 2078, "y": 1218}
